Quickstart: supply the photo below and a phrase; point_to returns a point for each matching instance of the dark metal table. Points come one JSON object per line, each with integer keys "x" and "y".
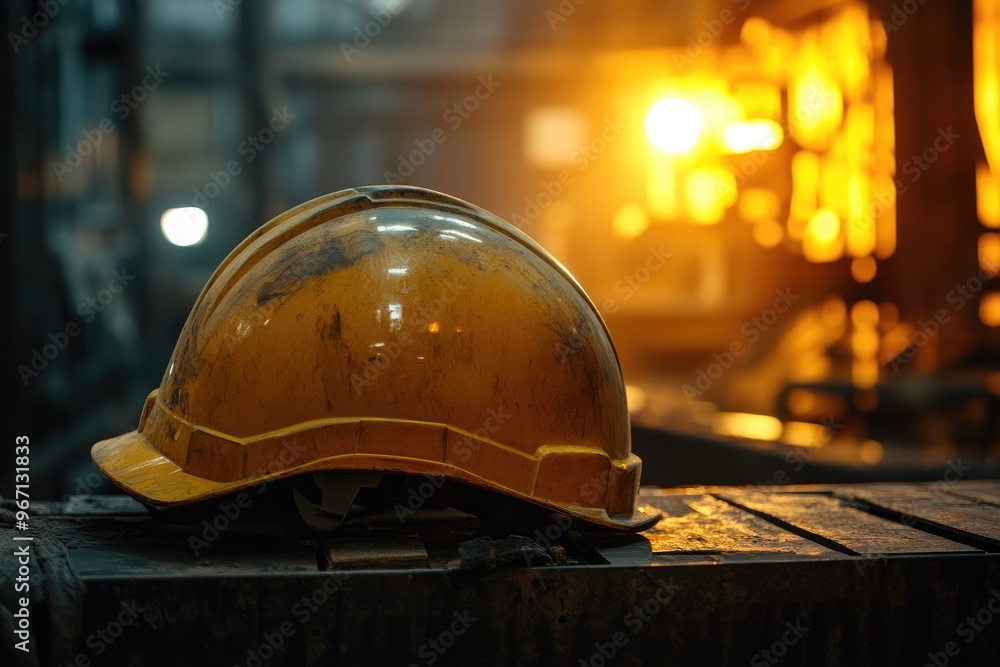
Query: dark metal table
{"x": 880, "y": 574}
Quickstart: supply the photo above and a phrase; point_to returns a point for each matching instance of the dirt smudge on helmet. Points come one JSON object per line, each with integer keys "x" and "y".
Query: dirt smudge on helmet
{"x": 330, "y": 252}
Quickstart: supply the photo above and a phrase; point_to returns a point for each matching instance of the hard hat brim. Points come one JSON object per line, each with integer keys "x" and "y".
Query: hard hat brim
{"x": 141, "y": 470}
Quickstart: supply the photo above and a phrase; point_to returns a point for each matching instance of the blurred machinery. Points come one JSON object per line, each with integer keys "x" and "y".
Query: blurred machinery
{"x": 788, "y": 212}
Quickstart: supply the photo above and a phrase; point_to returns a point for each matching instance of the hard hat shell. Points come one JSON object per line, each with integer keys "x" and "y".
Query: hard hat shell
{"x": 391, "y": 329}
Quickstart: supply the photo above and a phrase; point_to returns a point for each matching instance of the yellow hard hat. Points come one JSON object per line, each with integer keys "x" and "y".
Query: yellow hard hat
{"x": 390, "y": 329}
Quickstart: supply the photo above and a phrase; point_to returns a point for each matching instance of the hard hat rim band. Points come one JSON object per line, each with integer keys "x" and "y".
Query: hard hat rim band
{"x": 545, "y": 476}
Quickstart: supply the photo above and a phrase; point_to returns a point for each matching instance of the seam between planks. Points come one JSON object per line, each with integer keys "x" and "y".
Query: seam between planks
{"x": 791, "y": 528}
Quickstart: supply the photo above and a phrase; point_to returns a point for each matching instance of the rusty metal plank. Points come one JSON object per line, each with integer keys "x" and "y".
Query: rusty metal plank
{"x": 944, "y": 512}
{"x": 701, "y": 524}
{"x": 835, "y": 522}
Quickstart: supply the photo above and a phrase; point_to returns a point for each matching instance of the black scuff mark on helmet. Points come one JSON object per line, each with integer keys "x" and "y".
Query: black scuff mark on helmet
{"x": 328, "y": 254}
{"x": 336, "y": 322}
{"x": 330, "y": 331}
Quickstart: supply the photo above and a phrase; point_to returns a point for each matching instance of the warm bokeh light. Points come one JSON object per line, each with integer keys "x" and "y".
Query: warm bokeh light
{"x": 805, "y": 190}
{"x": 673, "y": 125}
{"x": 768, "y": 233}
{"x": 635, "y": 398}
{"x": 553, "y": 135}
{"x": 993, "y": 383}
{"x": 754, "y": 135}
{"x": 864, "y": 313}
{"x": 989, "y": 309}
{"x": 888, "y": 315}
{"x": 746, "y": 425}
{"x": 709, "y": 192}
{"x": 821, "y": 241}
{"x": 630, "y": 221}
{"x": 865, "y": 342}
{"x": 834, "y": 312}
{"x": 759, "y": 204}
{"x": 661, "y": 185}
{"x": 863, "y": 269}
{"x": 804, "y": 434}
{"x": 987, "y": 196}
{"x": 184, "y": 226}
{"x": 815, "y": 99}
{"x": 871, "y": 452}
{"x": 986, "y": 76}
{"x": 801, "y": 401}
{"x": 759, "y": 100}
{"x": 989, "y": 253}
{"x": 825, "y": 226}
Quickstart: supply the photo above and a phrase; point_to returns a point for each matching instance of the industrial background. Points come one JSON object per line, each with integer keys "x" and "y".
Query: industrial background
{"x": 788, "y": 212}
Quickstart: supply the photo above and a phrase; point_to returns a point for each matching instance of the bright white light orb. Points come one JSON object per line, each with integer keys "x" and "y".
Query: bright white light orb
{"x": 184, "y": 226}
{"x": 673, "y": 125}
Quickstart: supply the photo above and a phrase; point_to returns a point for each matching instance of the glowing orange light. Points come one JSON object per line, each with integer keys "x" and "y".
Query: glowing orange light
{"x": 768, "y": 233}
{"x": 630, "y": 221}
{"x": 746, "y": 425}
{"x": 709, "y": 192}
{"x": 987, "y": 196}
{"x": 755, "y": 135}
{"x": 989, "y": 253}
{"x": 758, "y": 204}
{"x": 989, "y": 309}
{"x": 821, "y": 240}
{"x": 863, "y": 269}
